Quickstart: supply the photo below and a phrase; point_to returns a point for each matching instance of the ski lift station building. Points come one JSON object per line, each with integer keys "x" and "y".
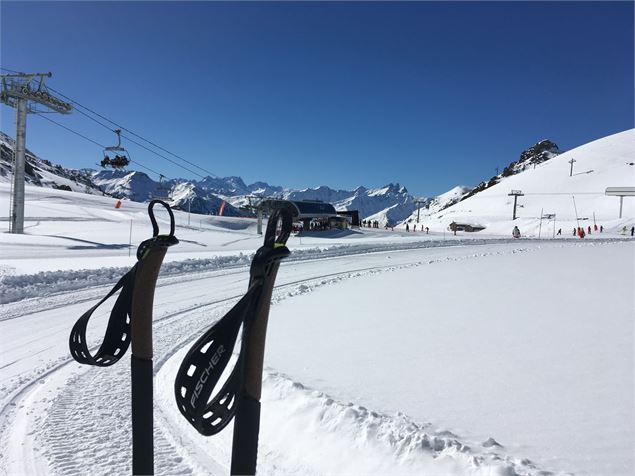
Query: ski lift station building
{"x": 311, "y": 211}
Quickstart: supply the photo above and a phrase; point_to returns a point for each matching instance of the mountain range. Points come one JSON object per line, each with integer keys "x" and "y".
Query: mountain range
{"x": 390, "y": 204}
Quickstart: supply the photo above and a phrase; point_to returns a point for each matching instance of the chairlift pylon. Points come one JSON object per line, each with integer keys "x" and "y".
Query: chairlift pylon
{"x": 121, "y": 158}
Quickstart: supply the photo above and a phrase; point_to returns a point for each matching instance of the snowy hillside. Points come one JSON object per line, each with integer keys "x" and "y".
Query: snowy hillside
{"x": 446, "y": 199}
{"x": 548, "y": 187}
{"x": 529, "y": 158}
{"x": 136, "y": 186}
{"x": 42, "y": 173}
{"x": 393, "y": 377}
{"x": 181, "y": 194}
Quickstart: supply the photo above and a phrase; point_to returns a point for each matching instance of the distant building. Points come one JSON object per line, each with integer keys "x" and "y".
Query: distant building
{"x": 465, "y": 227}
{"x": 353, "y": 214}
{"x": 313, "y": 214}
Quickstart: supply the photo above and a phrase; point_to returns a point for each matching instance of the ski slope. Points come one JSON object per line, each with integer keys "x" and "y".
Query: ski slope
{"x": 388, "y": 352}
{"x": 548, "y": 188}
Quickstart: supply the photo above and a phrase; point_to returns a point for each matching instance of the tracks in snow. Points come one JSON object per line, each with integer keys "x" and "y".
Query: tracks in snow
{"x": 60, "y": 401}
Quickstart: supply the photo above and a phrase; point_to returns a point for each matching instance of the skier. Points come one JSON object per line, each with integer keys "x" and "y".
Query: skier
{"x": 574, "y": 232}
{"x": 595, "y": 227}
{"x": 632, "y": 230}
{"x": 559, "y": 232}
{"x": 427, "y": 230}
{"x": 516, "y": 232}
{"x": 407, "y": 227}
{"x": 601, "y": 228}
{"x": 589, "y": 229}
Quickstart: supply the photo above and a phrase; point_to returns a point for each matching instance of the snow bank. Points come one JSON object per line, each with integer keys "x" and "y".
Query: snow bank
{"x": 14, "y": 287}
{"x": 295, "y": 418}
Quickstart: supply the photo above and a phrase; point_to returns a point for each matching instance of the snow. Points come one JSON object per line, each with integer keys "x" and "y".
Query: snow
{"x": 441, "y": 201}
{"x": 548, "y": 187}
{"x": 388, "y": 352}
{"x": 460, "y": 345}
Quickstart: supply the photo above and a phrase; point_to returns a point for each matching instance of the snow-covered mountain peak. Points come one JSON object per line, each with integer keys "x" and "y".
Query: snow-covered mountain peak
{"x": 391, "y": 188}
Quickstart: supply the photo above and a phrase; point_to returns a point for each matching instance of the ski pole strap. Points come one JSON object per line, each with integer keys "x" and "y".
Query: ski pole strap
{"x": 206, "y": 361}
{"x": 118, "y": 331}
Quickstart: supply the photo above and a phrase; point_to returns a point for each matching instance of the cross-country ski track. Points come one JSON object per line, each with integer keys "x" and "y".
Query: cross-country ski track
{"x": 59, "y": 417}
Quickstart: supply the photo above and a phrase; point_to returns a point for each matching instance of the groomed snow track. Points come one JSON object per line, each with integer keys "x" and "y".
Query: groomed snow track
{"x": 58, "y": 417}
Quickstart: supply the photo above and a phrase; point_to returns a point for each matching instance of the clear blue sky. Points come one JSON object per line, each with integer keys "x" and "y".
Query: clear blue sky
{"x": 342, "y": 94}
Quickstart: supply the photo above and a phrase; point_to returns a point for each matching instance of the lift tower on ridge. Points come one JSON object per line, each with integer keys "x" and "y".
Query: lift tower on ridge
{"x": 17, "y": 92}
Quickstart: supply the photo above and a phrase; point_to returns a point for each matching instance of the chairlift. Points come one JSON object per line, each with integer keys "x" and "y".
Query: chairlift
{"x": 121, "y": 158}
{"x": 161, "y": 192}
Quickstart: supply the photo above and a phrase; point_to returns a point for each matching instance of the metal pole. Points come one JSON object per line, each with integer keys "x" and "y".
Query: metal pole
{"x": 17, "y": 214}
{"x": 576, "y": 211}
{"x": 540, "y": 226}
{"x": 189, "y": 206}
{"x": 130, "y": 239}
{"x": 554, "y": 225}
{"x": 515, "y": 200}
{"x": 418, "y": 202}
{"x": 259, "y": 226}
{"x": 621, "y": 202}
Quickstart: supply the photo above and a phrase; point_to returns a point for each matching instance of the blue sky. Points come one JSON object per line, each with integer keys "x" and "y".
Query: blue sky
{"x": 426, "y": 94}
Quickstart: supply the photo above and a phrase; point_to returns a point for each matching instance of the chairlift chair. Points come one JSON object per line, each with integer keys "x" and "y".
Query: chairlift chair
{"x": 161, "y": 192}
{"x": 121, "y": 158}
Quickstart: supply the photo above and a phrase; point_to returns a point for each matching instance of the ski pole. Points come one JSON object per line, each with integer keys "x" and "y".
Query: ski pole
{"x": 131, "y": 322}
{"x": 206, "y": 360}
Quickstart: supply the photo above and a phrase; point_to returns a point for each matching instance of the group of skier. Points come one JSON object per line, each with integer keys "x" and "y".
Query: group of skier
{"x": 370, "y": 223}
{"x": 580, "y": 232}
{"x": 119, "y": 161}
{"x": 414, "y": 228}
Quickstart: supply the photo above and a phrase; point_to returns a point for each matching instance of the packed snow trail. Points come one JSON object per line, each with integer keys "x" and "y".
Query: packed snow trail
{"x": 534, "y": 349}
{"x": 23, "y": 286}
{"x": 48, "y": 283}
{"x": 46, "y": 389}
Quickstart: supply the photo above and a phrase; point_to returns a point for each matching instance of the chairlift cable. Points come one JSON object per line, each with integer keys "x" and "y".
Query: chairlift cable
{"x": 129, "y": 131}
{"x": 95, "y": 142}
{"x": 71, "y": 130}
{"x": 132, "y": 140}
{"x": 133, "y": 133}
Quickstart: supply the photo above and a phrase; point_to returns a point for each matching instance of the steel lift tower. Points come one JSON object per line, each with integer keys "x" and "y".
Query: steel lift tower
{"x": 515, "y": 194}
{"x": 18, "y": 92}
{"x": 418, "y": 203}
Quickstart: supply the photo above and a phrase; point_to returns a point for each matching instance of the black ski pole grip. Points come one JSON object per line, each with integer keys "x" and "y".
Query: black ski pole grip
{"x": 255, "y": 352}
{"x": 150, "y": 255}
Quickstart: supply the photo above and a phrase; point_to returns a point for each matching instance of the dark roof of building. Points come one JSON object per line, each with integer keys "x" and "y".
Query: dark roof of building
{"x": 314, "y": 209}
{"x": 304, "y": 209}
